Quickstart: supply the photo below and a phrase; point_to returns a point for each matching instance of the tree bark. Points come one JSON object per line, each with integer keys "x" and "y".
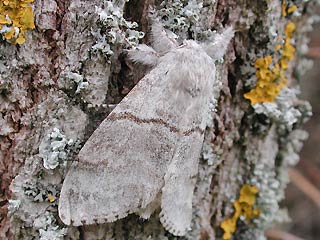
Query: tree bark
{"x": 63, "y": 81}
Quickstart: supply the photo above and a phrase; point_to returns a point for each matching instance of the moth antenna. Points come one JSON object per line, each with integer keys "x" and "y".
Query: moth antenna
{"x": 162, "y": 42}
{"x": 217, "y": 46}
{"x": 143, "y": 54}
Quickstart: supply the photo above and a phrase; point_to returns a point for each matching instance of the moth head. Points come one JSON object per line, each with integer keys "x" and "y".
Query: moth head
{"x": 163, "y": 41}
{"x": 190, "y": 44}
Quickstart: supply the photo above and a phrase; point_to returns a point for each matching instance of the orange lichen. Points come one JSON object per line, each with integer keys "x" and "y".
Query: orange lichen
{"x": 16, "y": 17}
{"x": 271, "y": 79}
{"x": 243, "y": 207}
{"x": 278, "y": 47}
{"x": 268, "y": 81}
{"x": 292, "y": 9}
{"x": 51, "y": 198}
{"x": 289, "y": 30}
{"x": 285, "y": 10}
{"x": 288, "y": 48}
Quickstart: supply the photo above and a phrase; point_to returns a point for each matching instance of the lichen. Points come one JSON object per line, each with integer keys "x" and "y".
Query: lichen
{"x": 54, "y": 149}
{"x": 271, "y": 73}
{"x": 13, "y": 206}
{"x": 268, "y": 161}
{"x": 180, "y": 16}
{"x": 115, "y": 29}
{"x": 286, "y": 110}
{"x": 288, "y": 9}
{"x": 243, "y": 207}
{"x": 35, "y": 191}
{"x": 292, "y": 146}
{"x": 34, "y": 217}
{"x": 260, "y": 166}
{"x": 16, "y": 17}
{"x": 40, "y": 192}
{"x": 48, "y": 227}
{"x": 187, "y": 19}
{"x": 288, "y": 48}
{"x": 269, "y": 82}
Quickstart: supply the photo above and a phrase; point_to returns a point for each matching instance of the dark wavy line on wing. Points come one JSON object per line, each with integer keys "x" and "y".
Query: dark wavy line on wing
{"x": 158, "y": 121}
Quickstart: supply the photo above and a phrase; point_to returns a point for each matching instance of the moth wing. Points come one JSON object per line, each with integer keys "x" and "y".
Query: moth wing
{"x": 180, "y": 178}
{"x": 121, "y": 167}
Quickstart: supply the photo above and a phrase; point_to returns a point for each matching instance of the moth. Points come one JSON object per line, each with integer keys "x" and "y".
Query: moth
{"x": 145, "y": 154}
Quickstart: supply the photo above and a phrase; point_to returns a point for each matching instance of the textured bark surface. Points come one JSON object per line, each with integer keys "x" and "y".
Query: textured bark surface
{"x": 62, "y": 82}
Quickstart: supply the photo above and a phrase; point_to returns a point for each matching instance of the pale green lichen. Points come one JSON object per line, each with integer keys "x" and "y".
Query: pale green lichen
{"x": 187, "y": 19}
{"x": 35, "y": 218}
{"x": 54, "y": 149}
{"x": 286, "y": 110}
{"x": 48, "y": 227}
{"x": 260, "y": 164}
{"x": 82, "y": 85}
{"x": 292, "y": 145}
{"x": 40, "y": 192}
{"x": 37, "y": 186}
{"x": 115, "y": 29}
{"x": 13, "y": 206}
{"x": 180, "y": 16}
{"x": 271, "y": 175}
{"x": 89, "y": 90}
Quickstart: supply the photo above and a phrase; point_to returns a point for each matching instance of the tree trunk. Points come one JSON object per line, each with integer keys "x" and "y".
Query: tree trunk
{"x": 59, "y": 84}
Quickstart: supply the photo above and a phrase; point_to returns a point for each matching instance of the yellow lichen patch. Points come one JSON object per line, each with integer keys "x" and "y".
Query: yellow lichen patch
{"x": 292, "y": 9}
{"x": 271, "y": 79}
{"x": 263, "y": 63}
{"x": 268, "y": 78}
{"x": 278, "y": 47}
{"x": 285, "y": 10}
{"x": 289, "y": 30}
{"x": 51, "y": 198}
{"x": 288, "y": 48}
{"x": 243, "y": 207}
{"x": 16, "y": 17}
